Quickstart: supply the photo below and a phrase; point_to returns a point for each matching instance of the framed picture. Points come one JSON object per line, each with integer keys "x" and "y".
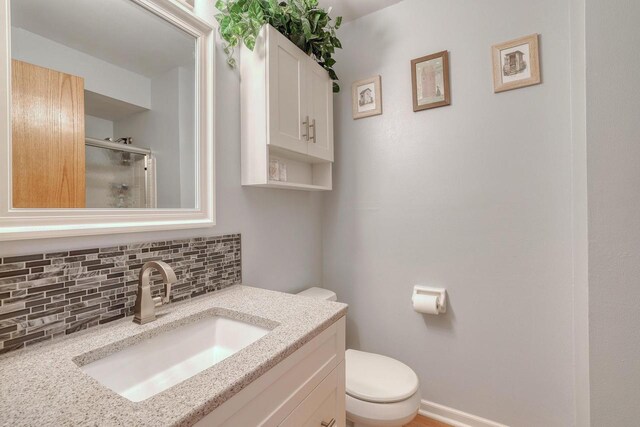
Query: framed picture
{"x": 516, "y": 64}
{"x": 367, "y": 97}
{"x": 430, "y": 81}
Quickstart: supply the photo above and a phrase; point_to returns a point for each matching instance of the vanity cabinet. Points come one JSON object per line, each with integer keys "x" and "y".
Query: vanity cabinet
{"x": 321, "y": 406}
{"x": 286, "y": 114}
{"x": 305, "y": 389}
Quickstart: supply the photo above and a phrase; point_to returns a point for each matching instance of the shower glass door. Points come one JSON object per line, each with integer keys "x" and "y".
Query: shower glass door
{"x": 118, "y": 178}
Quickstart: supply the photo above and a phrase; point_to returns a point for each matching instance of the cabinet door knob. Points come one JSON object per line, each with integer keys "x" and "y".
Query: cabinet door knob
{"x": 313, "y": 125}
{"x": 331, "y": 423}
{"x": 306, "y": 125}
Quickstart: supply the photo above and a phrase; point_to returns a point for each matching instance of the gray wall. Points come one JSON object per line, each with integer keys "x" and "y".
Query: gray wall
{"x": 475, "y": 197}
{"x": 281, "y": 230}
{"x": 98, "y": 128}
{"x": 613, "y": 129}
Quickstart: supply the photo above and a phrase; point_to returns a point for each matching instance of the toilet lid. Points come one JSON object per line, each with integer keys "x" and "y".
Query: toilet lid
{"x": 379, "y": 379}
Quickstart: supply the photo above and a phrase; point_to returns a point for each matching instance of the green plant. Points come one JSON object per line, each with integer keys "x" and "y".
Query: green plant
{"x": 301, "y": 21}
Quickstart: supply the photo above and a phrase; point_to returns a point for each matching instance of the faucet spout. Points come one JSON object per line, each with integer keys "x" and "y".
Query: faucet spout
{"x": 145, "y": 305}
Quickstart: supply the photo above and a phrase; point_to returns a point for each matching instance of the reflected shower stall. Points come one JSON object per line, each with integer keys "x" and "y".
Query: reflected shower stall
{"x": 119, "y": 175}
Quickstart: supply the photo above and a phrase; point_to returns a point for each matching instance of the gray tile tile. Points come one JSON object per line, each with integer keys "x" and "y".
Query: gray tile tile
{"x": 73, "y": 290}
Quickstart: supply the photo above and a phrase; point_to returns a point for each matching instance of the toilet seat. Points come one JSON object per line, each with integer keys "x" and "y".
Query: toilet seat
{"x": 378, "y": 379}
{"x": 381, "y": 391}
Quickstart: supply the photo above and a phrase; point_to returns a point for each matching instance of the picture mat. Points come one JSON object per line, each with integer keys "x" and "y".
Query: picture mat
{"x": 422, "y": 68}
{"x": 525, "y": 74}
{"x": 371, "y": 102}
{"x": 368, "y": 106}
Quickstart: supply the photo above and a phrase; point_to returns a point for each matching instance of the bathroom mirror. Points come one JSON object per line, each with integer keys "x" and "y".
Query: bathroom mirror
{"x": 108, "y": 121}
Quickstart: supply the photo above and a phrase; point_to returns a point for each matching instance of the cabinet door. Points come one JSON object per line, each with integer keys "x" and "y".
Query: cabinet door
{"x": 325, "y": 405}
{"x": 287, "y": 87}
{"x": 47, "y": 141}
{"x": 320, "y": 105}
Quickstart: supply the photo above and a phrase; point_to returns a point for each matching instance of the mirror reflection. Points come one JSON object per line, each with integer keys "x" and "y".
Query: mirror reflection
{"x": 103, "y": 107}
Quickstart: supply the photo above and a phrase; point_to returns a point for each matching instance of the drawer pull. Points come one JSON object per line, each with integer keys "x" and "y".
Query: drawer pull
{"x": 312, "y": 126}
{"x": 306, "y": 125}
{"x": 331, "y": 423}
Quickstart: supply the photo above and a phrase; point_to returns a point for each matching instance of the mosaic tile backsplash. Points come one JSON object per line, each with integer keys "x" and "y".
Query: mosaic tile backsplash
{"x": 44, "y": 296}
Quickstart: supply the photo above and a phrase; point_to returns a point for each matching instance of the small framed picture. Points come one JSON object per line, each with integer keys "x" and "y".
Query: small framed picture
{"x": 430, "y": 81}
{"x": 367, "y": 97}
{"x": 516, "y": 64}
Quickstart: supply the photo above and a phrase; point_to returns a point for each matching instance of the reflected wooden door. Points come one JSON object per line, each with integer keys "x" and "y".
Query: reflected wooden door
{"x": 48, "y": 165}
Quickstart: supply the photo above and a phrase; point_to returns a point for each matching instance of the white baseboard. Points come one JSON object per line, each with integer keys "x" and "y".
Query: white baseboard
{"x": 453, "y": 416}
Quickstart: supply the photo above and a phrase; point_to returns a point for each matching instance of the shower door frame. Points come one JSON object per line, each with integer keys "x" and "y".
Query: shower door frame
{"x": 148, "y": 160}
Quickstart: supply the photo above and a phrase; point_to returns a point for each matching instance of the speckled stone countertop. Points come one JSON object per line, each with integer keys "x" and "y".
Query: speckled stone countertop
{"x": 43, "y": 385}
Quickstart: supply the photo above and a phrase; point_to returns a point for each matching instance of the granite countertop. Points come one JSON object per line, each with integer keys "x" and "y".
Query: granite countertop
{"x": 43, "y": 385}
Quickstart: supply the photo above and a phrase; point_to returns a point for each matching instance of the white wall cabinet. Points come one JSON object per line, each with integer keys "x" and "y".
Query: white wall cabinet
{"x": 305, "y": 389}
{"x": 320, "y": 112}
{"x": 286, "y": 91}
{"x": 286, "y": 114}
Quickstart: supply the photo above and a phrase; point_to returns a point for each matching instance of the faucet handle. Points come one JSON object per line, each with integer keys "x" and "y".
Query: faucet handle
{"x": 158, "y": 301}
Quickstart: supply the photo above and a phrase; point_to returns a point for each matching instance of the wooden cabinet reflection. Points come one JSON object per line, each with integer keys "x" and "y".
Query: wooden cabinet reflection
{"x": 48, "y": 138}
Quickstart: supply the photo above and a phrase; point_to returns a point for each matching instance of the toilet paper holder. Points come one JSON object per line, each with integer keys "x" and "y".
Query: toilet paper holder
{"x": 439, "y": 293}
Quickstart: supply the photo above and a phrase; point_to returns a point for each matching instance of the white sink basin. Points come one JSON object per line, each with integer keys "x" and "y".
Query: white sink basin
{"x": 149, "y": 367}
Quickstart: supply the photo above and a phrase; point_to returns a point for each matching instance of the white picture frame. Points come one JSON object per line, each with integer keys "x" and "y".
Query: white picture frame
{"x": 19, "y": 224}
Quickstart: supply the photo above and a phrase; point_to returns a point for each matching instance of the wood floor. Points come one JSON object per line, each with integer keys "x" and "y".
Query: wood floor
{"x": 421, "y": 421}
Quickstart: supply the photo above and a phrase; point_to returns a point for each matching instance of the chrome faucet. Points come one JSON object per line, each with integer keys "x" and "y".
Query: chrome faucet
{"x": 145, "y": 308}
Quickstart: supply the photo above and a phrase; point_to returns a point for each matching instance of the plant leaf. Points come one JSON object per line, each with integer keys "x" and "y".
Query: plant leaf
{"x": 255, "y": 11}
{"x": 306, "y": 28}
{"x": 302, "y": 21}
{"x": 221, "y": 6}
{"x": 250, "y": 42}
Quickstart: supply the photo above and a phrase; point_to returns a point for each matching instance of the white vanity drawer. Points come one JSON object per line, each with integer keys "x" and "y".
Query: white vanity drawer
{"x": 276, "y": 394}
{"x": 324, "y": 407}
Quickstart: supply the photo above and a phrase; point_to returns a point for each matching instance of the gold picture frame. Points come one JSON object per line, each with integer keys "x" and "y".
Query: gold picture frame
{"x": 430, "y": 81}
{"x": 367, "y": 97}
{"x": 516, "y": 64}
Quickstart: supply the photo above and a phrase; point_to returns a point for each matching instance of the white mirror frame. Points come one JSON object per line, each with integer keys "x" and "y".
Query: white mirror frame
{"x": 18, "y": 224}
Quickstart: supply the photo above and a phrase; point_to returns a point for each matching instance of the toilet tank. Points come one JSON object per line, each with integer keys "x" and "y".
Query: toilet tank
{"x": 320, "y": 293}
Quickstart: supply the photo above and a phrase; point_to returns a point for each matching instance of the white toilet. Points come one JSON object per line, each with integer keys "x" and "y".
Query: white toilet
{"x": 381, "y": 391}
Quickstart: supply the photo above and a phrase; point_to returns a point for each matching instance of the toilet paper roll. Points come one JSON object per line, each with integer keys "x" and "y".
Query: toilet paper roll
{"x": 427, "y": 304}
